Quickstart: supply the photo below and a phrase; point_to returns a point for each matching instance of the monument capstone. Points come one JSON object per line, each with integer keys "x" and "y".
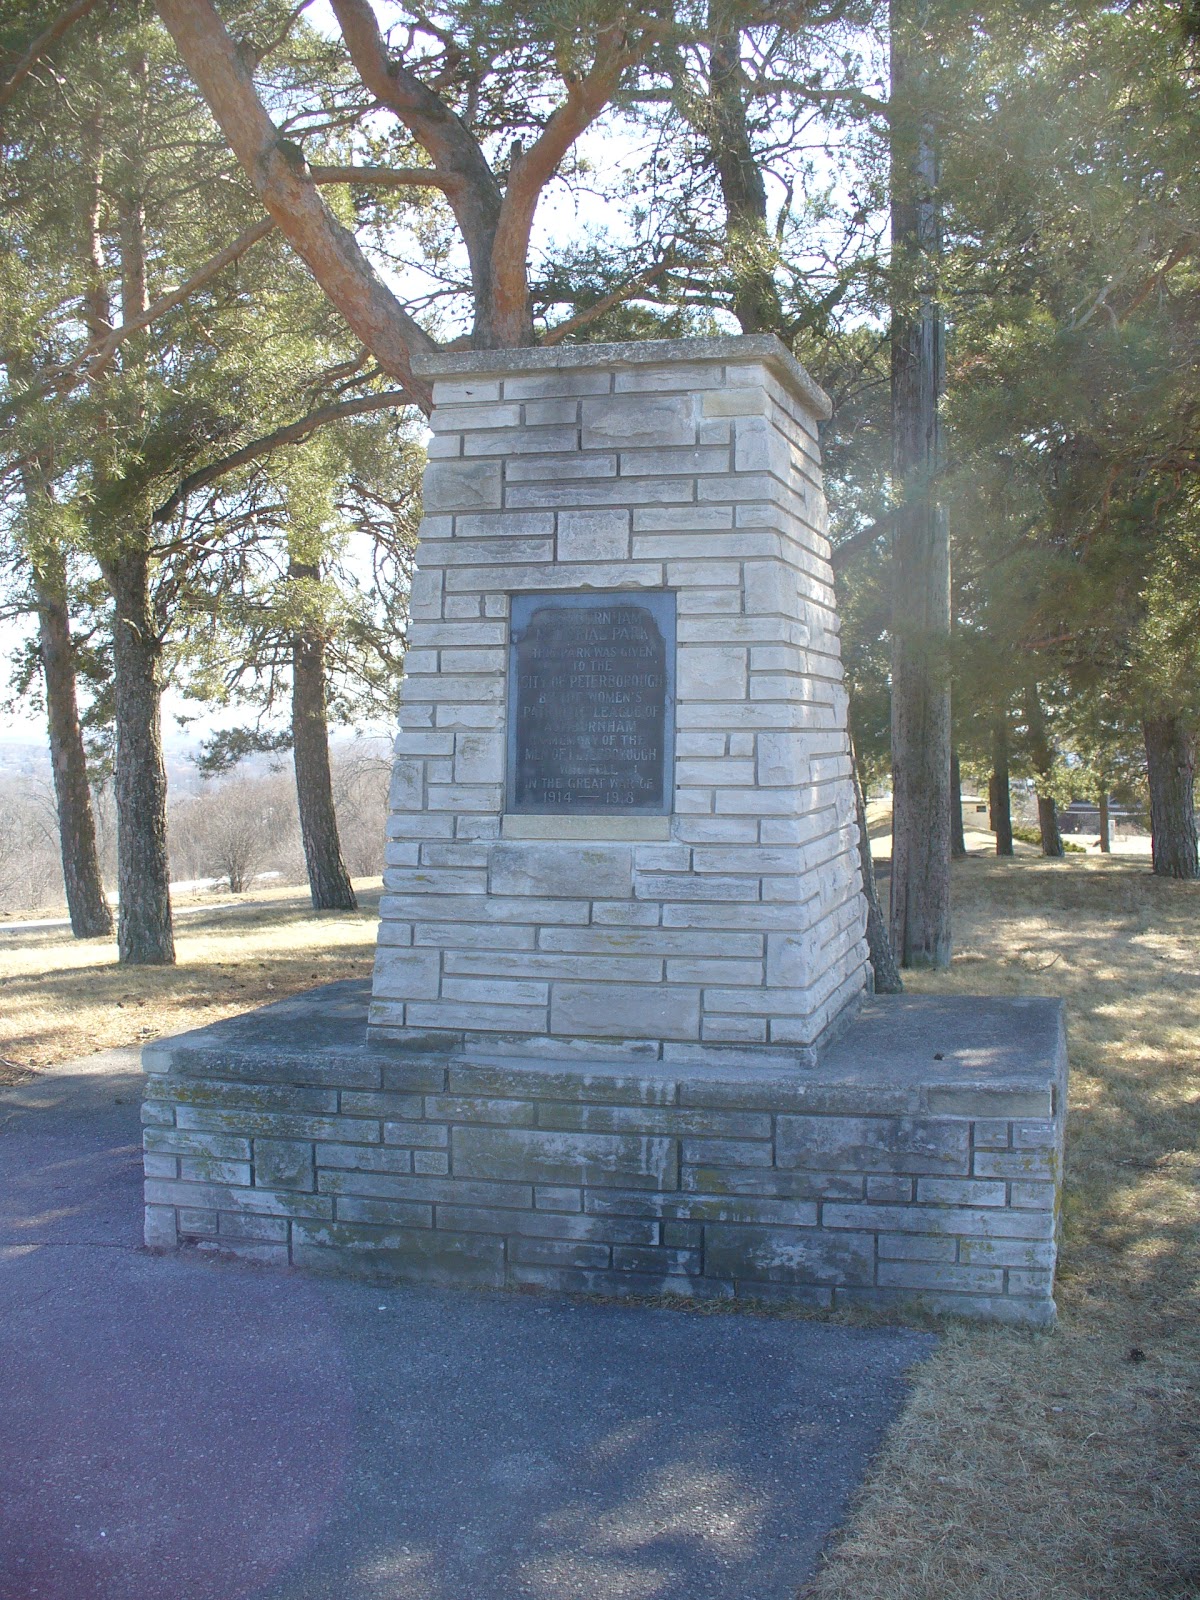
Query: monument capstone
{"x": 619, "y": 1035}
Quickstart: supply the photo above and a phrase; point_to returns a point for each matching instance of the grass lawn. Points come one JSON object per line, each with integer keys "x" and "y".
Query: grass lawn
{"x": 1027, "y": 1466}
{"x": 64, "y": 997}
{"x": 1066, "y": 1466}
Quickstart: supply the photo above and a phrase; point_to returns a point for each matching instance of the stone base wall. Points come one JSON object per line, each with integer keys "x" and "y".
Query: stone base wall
{"x": 880, "y": 1180}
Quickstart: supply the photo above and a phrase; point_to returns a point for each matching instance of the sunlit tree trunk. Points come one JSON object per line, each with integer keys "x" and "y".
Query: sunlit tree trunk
{"x": 1042, "y": 756}
{"x": 328, "y": 881}
{"x": 144, "y": 932}
{"x": 87, "y": 906}
{"x": 1171, "y": 770}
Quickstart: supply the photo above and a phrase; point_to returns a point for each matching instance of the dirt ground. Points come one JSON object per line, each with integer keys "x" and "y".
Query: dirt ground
{"x": 1027, "y": 1466}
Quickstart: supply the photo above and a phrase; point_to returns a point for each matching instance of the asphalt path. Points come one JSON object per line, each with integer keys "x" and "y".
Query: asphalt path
{"x": 180, "y": 1427}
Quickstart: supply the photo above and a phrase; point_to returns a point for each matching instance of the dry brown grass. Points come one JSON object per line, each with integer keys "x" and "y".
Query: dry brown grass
{"x": 65, "y": 998}
{"x": 1066, "y": 1465}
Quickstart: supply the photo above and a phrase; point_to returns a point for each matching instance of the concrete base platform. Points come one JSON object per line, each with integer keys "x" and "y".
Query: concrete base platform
{"x": 918, "y": 1166}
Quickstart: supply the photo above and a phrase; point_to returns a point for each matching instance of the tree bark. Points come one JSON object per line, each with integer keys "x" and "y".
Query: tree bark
{"x": 1042, "y": 756}
{"x": 286, "y": 190}
{"x": 920, "y": 905}
{"x": 999, "y": 790}
{"x": 87, "y": 906}
{"x": 887, "y": 978}
{"x": 1105, "y": 829}
{"x": 1171, "y": 770}
{"x": 958, "y": 843}
{"x": 756, "y": 302}
{"x": 495, "y": 222}
{"x": 144, "y": 930}
{"x": 328, "y": 881}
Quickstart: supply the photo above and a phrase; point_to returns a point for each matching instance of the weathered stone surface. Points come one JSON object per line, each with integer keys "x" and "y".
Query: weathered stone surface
{"x": 620, "y": 1011}
{"x": 551, "y": 1157}
{"x": 657, "y": 1180}
{"x": 555, "y": 867}
{"x": 873, "y": 1144}
{"x": 788, "y": 1255}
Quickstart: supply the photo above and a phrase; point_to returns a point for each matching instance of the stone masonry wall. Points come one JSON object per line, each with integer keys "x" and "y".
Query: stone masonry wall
{"x": 735, "y": 923}
{"x": 920, "y": 1166}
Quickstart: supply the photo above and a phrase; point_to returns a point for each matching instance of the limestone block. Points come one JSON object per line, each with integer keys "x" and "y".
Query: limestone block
{"x": 979, "y": 1223}
{"x": 468, "y": 936}
{"x": 479, "y": 757}
{"x": 508, "y": 551}
{"x": 284, "y": 1164}
{"x": 613, "y": 1010}
{"x": 425, "y": 597}
{"x": 497, "y": 991}
{"x": 476, "y": 391}
{"x": 940, "y": 1275}
{"x": 541, "y": 468}
{"x": 544, "y": 411}
{"x": 407, "y": 791}
{"x": 550, "y": 964}
{"x": 540, "y": 385}
{"x": 593, "y": 535}
{"x": 444, "y": 446}
{"x": 410, "y": 1255}
{"x": 521, "y": 441}
{"x": 735, "y": 403}
{"x": 454, "y": 418}
{"x": 639, "y": 420}
{"x": 457, "y": 1015}
{"x": 695, "y": 375}
{"x": 463, "y": 797}
{"x": 758, "y": 446}
{"x": 545, "y": 867}
{"x": 499, "y": 525}
{"x": 634, "y": 1160}
{"x": 462, "y": 485}
{"x": 407, "y": 974}
{"x": 622, "y": 492}
{"x": 717, "y": 673}
{"x": 788, "y": 1255}
{"x": 873, "y": 1144}
{"x": 690, "y": 459}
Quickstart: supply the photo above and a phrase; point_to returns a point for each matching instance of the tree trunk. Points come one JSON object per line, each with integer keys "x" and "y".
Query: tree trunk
{"x": 920, "y": 903}
{"x": 756, "y": 302}
{"x": 144, "y": 932}
{"x": 999, "y": 791}
{"x": 1042, "y": 756}
{"x": 86, "y": 903}
{"x": 1171, "y": 769}
{"x": 87, "y": 906}
{"x": 958, "y": 842}
{"x": 328, "y": 881}
{"x": 883, "y": 962}
{"x": 1105, "y": 831}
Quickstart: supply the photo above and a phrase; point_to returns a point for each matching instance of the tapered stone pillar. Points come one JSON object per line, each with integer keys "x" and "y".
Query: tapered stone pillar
{"x": 622, "y": 820}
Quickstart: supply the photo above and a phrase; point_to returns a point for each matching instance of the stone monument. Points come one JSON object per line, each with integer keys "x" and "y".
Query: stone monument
{"x": 617, "y": 1039}
{"x": 622, "y": 819}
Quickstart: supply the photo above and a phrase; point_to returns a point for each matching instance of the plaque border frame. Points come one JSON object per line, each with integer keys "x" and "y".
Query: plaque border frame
{"x": 663, "y": 605}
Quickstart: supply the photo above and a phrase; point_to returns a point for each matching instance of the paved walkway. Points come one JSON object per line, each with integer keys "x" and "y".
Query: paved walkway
{"x": 181, "y": 1428}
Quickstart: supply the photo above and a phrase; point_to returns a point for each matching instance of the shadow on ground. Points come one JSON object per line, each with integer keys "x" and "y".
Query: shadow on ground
{"x": 180, "y": 1428}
